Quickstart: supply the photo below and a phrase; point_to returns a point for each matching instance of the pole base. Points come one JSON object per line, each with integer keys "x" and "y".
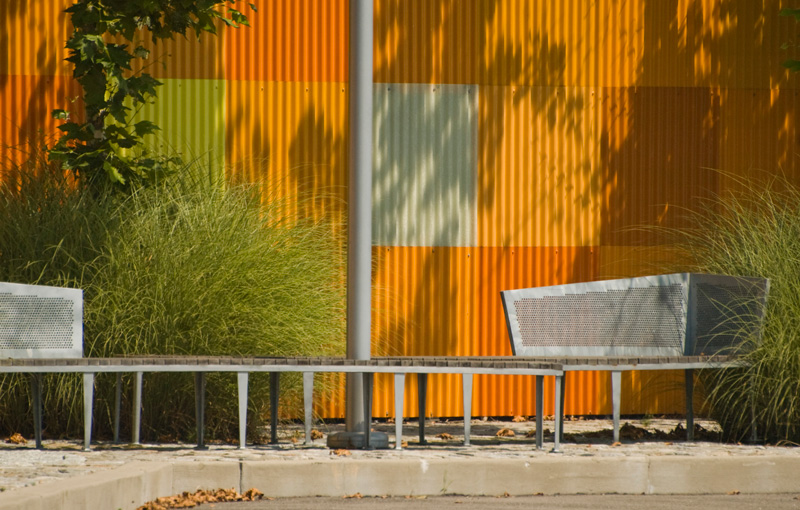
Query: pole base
{"x": 353, "y": 440}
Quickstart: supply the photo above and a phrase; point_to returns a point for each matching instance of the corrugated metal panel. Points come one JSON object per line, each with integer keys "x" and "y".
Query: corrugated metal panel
{"x": 32, "y": 37}
{"x": 183, "y": 57}
{"x": 425, "y": 159}
{"x": 292, "y": 135}
{"x": 191, "y": 115}
{"x": 659, "y": 146}
{"x": 290, "y": 40}
{"x": 539, "y": 179}
{"x": 758, "y": 135}
{"x": 427, "y": 41}
{"x": 631, "y": 261}
{"x": 26, "y": 103}
{"x": 446, "y": 301}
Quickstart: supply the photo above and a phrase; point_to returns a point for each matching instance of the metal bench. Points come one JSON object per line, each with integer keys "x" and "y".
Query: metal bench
{"x": 680, "y": 321}
{"x": 40, "y": 322}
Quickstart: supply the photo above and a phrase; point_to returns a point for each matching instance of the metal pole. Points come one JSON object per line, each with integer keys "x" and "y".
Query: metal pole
{"x": 359, "y": 237}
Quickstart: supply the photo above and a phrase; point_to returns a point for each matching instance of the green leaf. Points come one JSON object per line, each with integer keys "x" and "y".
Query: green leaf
{"x": 113, "y": 173}
{"x": 145, "y": 127}
{"x": 794, "y": 13}
{"x": 141, "y": 52}
{"x": 792, "y": 65}
{"x": 60, "y": 114}
{"x": 253, "y": 7}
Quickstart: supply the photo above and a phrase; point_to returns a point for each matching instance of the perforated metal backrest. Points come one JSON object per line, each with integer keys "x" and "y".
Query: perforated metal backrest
{"x": 37, "y": 321}
{"x": 725, "y": 313}
{"x": 647, "y": 316}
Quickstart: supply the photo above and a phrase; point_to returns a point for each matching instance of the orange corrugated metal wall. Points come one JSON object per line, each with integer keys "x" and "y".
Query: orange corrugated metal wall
{"x": 517, "y": 143}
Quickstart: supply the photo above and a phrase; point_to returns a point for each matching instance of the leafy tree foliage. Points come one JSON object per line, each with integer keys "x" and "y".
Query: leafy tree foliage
{"x": 109, "y": 140}
{"x": 792, "y": 64}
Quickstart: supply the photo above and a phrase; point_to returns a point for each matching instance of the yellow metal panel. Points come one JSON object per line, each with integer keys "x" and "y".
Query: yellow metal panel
{"x": 539, "y": 175}
{"x": 427, "y": 41}
{"x": 183, "y": 57}
{"x": 659, "y": 146}
{"x": 292, "y": 135}
{"x": 758, "y": 135}
{"x": 32, "y": 37}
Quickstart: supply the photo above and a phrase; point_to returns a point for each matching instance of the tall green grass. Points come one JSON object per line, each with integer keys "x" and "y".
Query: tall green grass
{"x": 189, "y": 266}
{"x": 756, "y": 232}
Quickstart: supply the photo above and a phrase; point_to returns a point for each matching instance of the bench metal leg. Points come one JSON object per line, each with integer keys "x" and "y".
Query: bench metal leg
{"x": 399, "y": 400}
{"x": 422, "y": 394}
{"x": 562, "y": 395}
{"x": 308, "y": 403}
{"x": 753, "y": 428}
{"x": 242, "y": 383}
{"x": 137, "y": 407}
{"x": 36, "y": 389}
{"x": 689, "y": 377}
{"x": 616, "y": 388}
{"x": 88, "y": 404}
{"x": 466, "y": 387}
{"x": 559, "y": 423}
{"x": 274, "y": 393}
{"x": 368, "y": 378}
{"x": 117, "y": 407}
{"x": 539, "y": 411}
{"x": 200, "y": 407}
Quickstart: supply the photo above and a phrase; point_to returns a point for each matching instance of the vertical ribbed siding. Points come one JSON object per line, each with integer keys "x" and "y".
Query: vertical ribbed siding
{"x": 659, "y": 149}
{"x": 425, "y": 159}
{"x": 758, "y": 135}
{"x": 32, "y": 37}
{"x": 427, "y": 41}
{"x": 191, "y": 115}
{"x": 183, "y": 57}
{"x": 291, "y": 41}
{"x": 293, "y": 137}
{"x": 589, "y": 120}
{"x": 26, "y": 103}
{"x": 539, "y": 178}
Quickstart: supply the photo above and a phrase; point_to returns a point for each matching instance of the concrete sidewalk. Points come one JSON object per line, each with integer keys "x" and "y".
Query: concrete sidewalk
{"x": 64, "y": 477}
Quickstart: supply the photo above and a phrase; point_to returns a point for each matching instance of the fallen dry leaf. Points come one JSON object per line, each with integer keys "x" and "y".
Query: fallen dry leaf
{"x": 505, "y": 433}
{"x": 539, "y": 494}
{"x": 357, "y": 495}
{"x": 16, "y": 438}
{"x": 733, "y": 493}
{"x": 519, "y": 419}
{"x": 389, "y": 420}
{"x": 191, "y": 500}
{"x": 404, "y": 444}
{"x": 530, "y": 433}
{"x": 341, "y": 452}
{"x": 445, "y": 436}
{"x": 316, "y": 434}
{"x": 615, "y": 444}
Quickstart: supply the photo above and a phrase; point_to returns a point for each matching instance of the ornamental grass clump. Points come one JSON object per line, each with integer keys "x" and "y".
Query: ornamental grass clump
{"x": 188, "y": 267}
{"x": 755, "y": 231}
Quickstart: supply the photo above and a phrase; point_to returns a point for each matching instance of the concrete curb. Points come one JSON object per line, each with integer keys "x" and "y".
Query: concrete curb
{"x": 134, "y": 484}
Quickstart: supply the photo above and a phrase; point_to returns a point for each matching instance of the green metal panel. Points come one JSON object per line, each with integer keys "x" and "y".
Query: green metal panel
{"x": 191, "y": 115}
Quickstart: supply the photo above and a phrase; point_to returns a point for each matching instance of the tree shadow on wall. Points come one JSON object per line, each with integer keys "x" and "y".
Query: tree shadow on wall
{"x": 436, "y": 207}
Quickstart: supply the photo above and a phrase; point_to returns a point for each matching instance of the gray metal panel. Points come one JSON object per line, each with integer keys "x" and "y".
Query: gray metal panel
{"x": 37, "y": 321}
{"x": 643, "y": 316}
{"x": 666, "y": 315}
{"x": 726, "y": 313}
{"x": 425, "y": 165}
